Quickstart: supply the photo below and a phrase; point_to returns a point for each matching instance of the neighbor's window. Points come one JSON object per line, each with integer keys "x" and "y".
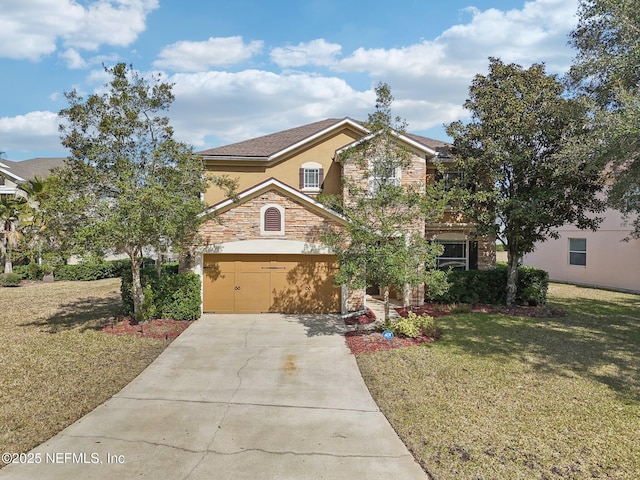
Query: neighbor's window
{"x": 454, "y": 255}
{"x": 578, "y": 251}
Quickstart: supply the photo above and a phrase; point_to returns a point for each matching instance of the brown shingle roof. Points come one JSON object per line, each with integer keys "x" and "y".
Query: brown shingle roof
{"x": 268, "y": 145}
{"x": 34, "y": 167}
{"x": 273, "y": 143}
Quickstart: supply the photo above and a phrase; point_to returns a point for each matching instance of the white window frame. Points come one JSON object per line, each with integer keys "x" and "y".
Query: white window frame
{"x": 267, "y": 233}
{"x": 579, "y": 252}
{"x": 308, "y": 167}
{"x": 375, "y": 181}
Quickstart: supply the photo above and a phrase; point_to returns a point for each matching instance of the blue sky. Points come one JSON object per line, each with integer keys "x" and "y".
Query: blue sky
{"x": 245, "y": 68}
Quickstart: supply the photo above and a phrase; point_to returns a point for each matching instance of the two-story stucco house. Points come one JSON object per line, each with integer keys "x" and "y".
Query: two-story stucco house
{"x": 261, "y": 251}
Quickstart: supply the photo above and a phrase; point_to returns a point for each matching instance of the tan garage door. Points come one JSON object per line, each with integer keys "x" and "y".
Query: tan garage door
{"x": 245, "y": 283}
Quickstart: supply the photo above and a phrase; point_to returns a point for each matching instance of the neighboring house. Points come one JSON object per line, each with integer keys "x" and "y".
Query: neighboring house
{"x": 13, "y": 174}
{"x": 262, "y": 252}
{"x": 597, "y": 259}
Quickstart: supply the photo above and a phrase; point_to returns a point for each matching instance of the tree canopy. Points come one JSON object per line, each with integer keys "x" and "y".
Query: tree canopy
{"x": 512, "y": 150}
{"x": 127, "y": 184}
{"x": 385, "y": 243}
{"x": 605, "y": 69}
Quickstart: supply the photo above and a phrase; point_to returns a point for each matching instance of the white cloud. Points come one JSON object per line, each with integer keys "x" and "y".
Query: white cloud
{"x": 73, "y": 59}
{"x": 316, "y": 52}
{"x": 196, "y": 56}
{"x": 31, "y": 29}
{"x": 429, "y": 79}
{"x": 33, "y": 131}
{"x": 235, "y": 106}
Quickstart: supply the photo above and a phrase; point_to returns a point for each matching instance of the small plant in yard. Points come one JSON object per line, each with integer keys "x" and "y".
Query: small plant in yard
{"x": 414, "y": 326}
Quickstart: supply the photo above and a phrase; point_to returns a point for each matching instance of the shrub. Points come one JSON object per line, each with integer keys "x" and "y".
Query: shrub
{"x": 31, "y": 271}
{"x": 414, "y": 325}
{"x": 9, "y": 280}
{"x": 179, "y": 296}
{"x": 92, "y": 271}
{"x": 175, "y": 296}
{"x": 490, "y": 286}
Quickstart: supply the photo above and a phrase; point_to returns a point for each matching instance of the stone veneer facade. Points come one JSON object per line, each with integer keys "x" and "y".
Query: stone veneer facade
{"x": 242, "y": 222}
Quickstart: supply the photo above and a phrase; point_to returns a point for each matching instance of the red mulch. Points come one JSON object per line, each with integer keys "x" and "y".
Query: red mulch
{"x": 365, "y": 342}
{"x": 159, "y": 328}
{"x": 363, "y": 319}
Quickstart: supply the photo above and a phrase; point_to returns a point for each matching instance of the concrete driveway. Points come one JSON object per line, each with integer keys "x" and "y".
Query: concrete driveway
{"x": 235, "y": 397}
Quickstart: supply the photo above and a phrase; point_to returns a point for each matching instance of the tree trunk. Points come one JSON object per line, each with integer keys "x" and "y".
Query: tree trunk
{"x": 138, "y": 294}
{"x": 8, "y": 264}
{"x": 512, "y": 278}
{"x": 385, "y": 296}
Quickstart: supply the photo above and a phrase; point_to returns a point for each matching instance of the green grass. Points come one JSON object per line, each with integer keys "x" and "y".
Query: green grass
{"x": 502, "y": 397}
{"x": 56, "y": 365}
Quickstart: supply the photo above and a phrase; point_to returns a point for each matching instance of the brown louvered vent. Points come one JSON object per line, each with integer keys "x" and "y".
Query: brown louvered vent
{"x": 272, "y": 220}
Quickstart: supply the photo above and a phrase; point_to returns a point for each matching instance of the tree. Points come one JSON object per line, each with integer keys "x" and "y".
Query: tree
{"x": 127, "y": 184}
{"x": 605, "y": 69}
{"x": 607, "y": 39}
{"x": 12, "y": 214}
{"x": 513, "y": 152}
{"x": 385, "y": 243}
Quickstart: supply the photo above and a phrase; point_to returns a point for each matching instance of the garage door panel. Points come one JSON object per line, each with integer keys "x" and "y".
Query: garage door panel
{"x": 250, "y": 293}
{"x": 218, "y": 290}
{"x": 275, "y": 283}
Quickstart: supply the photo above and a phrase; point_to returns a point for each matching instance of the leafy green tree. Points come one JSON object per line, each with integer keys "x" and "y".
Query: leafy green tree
{"x": 605, "y": 69}
{"x": 384, "y": 243}
{"x": 512, "y": 149}
{"x": 607, "y": 39}
{"x": 127, "y": 183}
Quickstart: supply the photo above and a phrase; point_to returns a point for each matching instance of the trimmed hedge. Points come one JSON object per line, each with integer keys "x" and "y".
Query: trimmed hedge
{"x": 92, "y": 271}
{"x": 490, "y": 286}
{"x": 174, "y": 295}
{"x": 31, "y": 271}
{"x": 9, "y": 280}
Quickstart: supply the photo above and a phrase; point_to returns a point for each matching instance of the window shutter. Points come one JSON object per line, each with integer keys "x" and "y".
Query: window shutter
{"x": 272, "y": 220}
{"x": 321, "y": 177}
{"x": 301, "y": 178}
{"x": 473, "y": 255}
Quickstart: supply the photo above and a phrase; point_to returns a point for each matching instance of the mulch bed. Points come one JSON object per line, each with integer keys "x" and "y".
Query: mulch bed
{"x": 164, "y": 329}
{"x": 364, "y": 341}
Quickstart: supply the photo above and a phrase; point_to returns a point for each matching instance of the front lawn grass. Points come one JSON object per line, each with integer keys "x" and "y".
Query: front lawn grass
{"x": 55, "y": 363}
{"x": 501, "y": 397}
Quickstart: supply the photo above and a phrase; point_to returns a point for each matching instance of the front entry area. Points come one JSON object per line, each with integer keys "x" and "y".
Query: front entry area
{"x": 256, "y": 283}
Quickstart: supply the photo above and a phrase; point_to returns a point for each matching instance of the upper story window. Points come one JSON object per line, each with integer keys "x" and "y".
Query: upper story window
{"x": 311, "y": 177}
{"x": 383, "y": 173}
{"x": 450, "y": 179}
{"x": 272, "y": 220}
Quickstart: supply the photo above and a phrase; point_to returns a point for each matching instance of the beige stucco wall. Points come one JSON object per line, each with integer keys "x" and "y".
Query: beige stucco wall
{"x": 286, "y": 169}
{"x": 611, "y": 263}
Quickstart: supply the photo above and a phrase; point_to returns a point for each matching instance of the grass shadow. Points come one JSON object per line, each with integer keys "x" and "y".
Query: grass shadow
{"x": 88, "y": 314}
{"x": 598, "y": 339}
